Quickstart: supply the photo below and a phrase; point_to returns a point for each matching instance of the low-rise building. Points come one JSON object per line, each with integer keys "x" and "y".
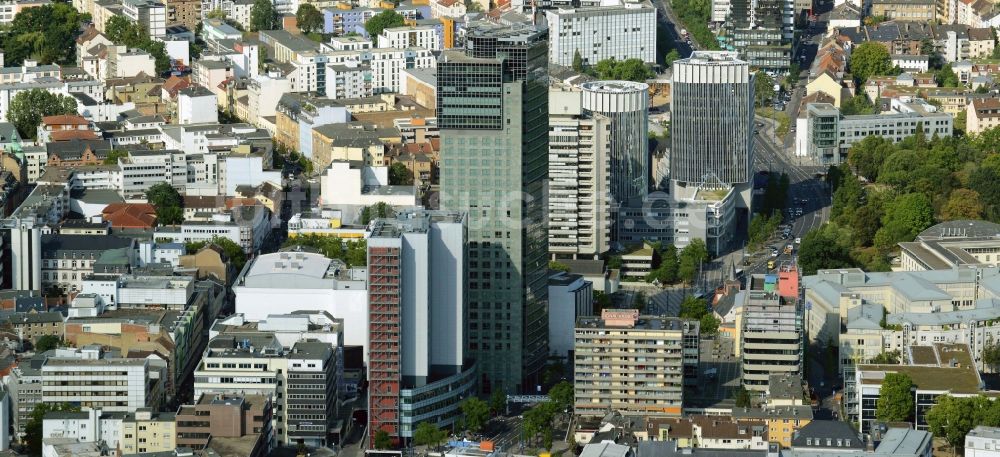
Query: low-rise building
{"x": 231, "y": 420}
{"x": 982, "y": 441}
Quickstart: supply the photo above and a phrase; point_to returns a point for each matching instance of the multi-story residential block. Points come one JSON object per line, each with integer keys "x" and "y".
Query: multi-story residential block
{"x": 148, "y": 431}
{"x": 301, "y": 379}
{"x": 619, "y": 30}
{"x": 982, "y": 114}
{"x": 579, "y": 175}
{"x": 905, "y": 10}
{"x": 502, "y": 70}
{"x": 351, "y": 184}
{"x": 247, "y": 226}
{"x": 417, "y": 349}
{"x": 66, "y": 259}
{"x": 381, "y": 67}
{"x": 782, "y": 422}
{"x": 240, "y": 422}
{"x": 762, "y": 32}
{"x": 827, "y": 135}
{"x": 352, "y": 141}
{"x": 772, "y": 336}
{"x": 197, "y": 105}
{"x": 90, "y": 426}
{"x": 149, "y": 14}
{"x": 297, "y": 116}
{"x": 570, "y": 296}
{"x": 420, "y": 36}
{"x": 631, "y": 363}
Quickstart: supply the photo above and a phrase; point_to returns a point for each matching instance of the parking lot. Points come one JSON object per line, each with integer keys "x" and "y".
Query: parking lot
{"x": 715, "y": 389}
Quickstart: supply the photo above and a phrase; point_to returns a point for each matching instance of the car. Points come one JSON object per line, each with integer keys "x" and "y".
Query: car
{"x": 798, "y": 241}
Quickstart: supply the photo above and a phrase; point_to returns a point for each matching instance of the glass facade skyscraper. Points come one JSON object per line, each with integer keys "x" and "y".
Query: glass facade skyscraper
{"x": 711, "y": 128}
{"x": 492, "y": 109}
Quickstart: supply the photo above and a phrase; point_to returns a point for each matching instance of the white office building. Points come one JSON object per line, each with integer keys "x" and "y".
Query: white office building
{"x": 617, "y": 31}
{"x": 82, "y": 377}
{"x": 292, "y": 281}
{"x": 983, "y": 441}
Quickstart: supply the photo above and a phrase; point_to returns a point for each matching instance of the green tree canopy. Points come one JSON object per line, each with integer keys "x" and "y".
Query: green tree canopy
{"x": 691, "y": 259}
{"x": 27, "y": 109}
{"x": 858, "y": 104}
{"x": 382, "y": 440}
{"x": 233, "y": 251}
{"x": 123, "y": 31}
{"x": 427, "y": 434}
{"x": 163, "y": 194}
{"x": 763, "y": 88}
{"x": 381, "y": 21}
{"x": 895, "y": 398}
{"x": 577, "y": 61}
{"x": 627, "y": 70}
{"x": 562, "y": 395}
{"x": 952, "y": 418}
{"x": 46, "y": 33}
{"x": 47, "y": 343}
{"x": 870, "y": 59}
{"x": 962, "y": 204}
{"x": 991, "y": 356}
{"x": 946, "y": 77}
{"x": 708, "y": 325}
{"x": 352, "y": 252}
{"x": 263, "y": 16}
{"x": 476, "y": 412}
{"x": 868, "y": 155}
{"x": 907, "y": 216}
{"x": 400, "y": 175}
{"x": 825, "y": 247}
{"x": 309, "y": 18}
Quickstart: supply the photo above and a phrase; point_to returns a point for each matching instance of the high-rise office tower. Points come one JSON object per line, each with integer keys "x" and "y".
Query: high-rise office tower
{"x": 417, "y": 328}
{"x": 762, "y": 32}
{"x": 711, "y": 139}
{"x": 492, "y": 110}
{"x": 626, "y": 103}
{"x": 711, "y": 120}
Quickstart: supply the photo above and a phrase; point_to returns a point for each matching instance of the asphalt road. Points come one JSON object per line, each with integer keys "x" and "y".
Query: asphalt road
{"x": 668, "y": 20}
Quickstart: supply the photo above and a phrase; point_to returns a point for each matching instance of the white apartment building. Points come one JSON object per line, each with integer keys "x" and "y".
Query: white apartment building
{"x": 347, "y": 183}
{"x": 140, "y": 170}
{"x": 91, "y": 88}
{"x": 150, "y": 14}
{"x": 420, "y": 36}
{"x": 620, "y": 32}
{"x": 983, "y": 441}
{"x": 80, "y": 376}
{"x": 126, "y": 63}
{"x": 247, "y": 226}
{"x": 167, "y": 292}
{"x": 384, "y": 66}
{"x": 349, "y": 80}
{"x": 579, "y": 188}
{"x": 197, "y": 105}
{"x": 90, "y": 426}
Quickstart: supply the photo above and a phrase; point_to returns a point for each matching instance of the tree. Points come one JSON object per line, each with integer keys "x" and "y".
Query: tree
{"x": 382, "y": 440}
{"x": 498, "y": 401}
{"x": 113, "y": 156}
{"x": 946, "y": 77}
{"x": 130, "y": 34}
{"x": 671, "y": 57}
{"x": 742, "y": 397}
{"x": 234, "y": 253}
{"x": 858, "y": 104}
{"x": 887, "y": 358}
{"x": 47, "y": 343}
{"x": 381, "y": 21}
{"x": 399, "y": 175}
{"x": 907, "y": 216}
{"x": 709, "y": 325}
{"x": 427, "y": 434}
{"x": 868, "y": 155}
{"x": 216, "y": 14}
{"x": 380, "y": 210}
{"x": 33, "y": 434}
{"x": 168, "y": 203}
{"x": 991, "y": 356}
{"x": 308, "y": 18}
{"x": 693, "y": 307}
{"x": 628, "y": 70}
{"x": 793, "y": 75}
{"x": 29, "y": 107}
{"x": 562, "y": 395}
{"x": 869, "y": 59}
{"x": 577, "y": 61}
{"x": 476, "y": 412}
{"x": 952, "y": 418}
{"x": 691, "y": 258}
{"x": 558, "y": 266}
{"x": 45, "y": 33}
{"x": 263, "y": 16}
{"x": 824, "y": 247}
{"x": 962, "y": 204}
{"x": 895, "y": 398}
{"x": 763, "y": 88}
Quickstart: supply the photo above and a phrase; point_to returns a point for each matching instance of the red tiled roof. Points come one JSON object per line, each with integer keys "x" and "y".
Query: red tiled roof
{"x": 64, "y": 119}
{"x": 66, "y": 135}
{"x": 130, "y": 215}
